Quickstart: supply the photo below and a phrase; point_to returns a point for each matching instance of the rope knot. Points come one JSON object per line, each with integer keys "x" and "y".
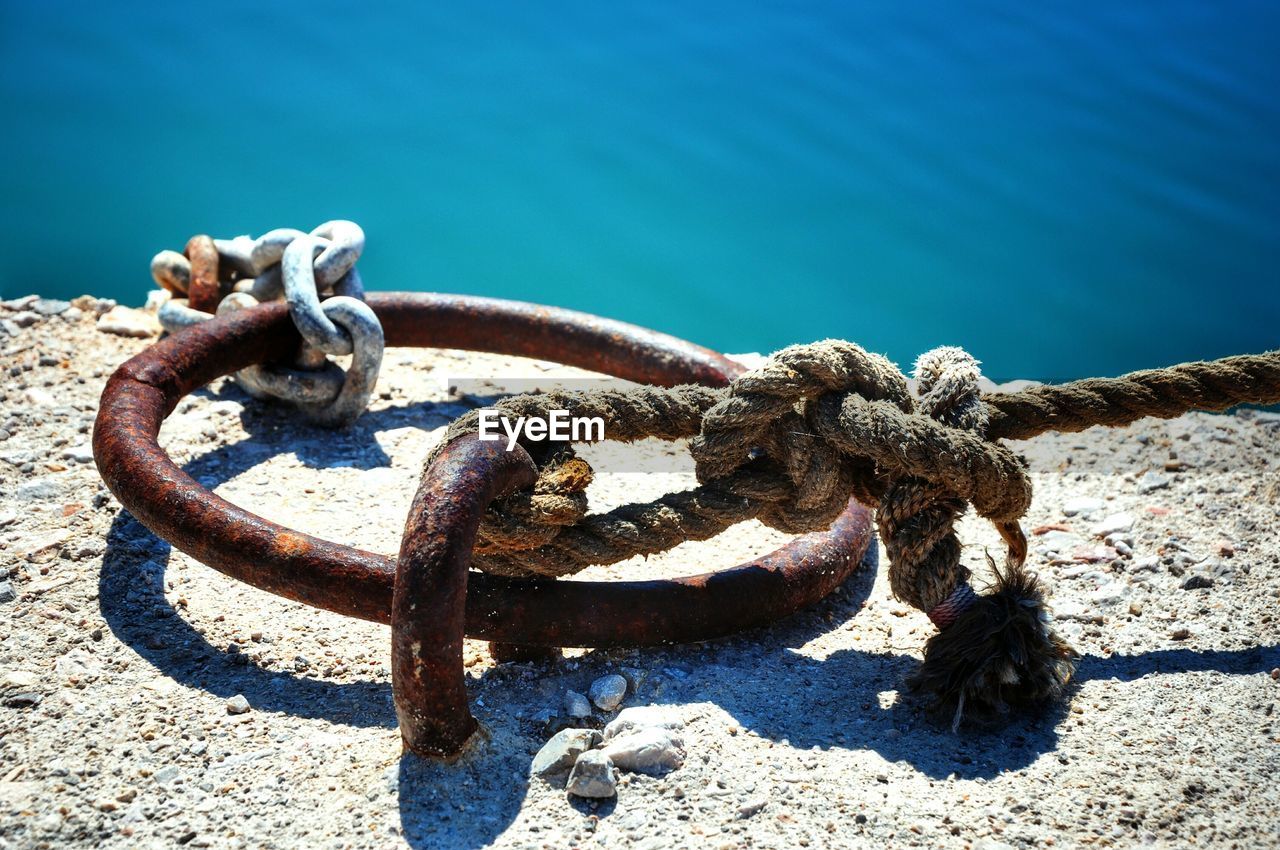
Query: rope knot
{"x": 831, "y": 420}
{"x": 835, "y": 420}
{"x": 767, "y": 426}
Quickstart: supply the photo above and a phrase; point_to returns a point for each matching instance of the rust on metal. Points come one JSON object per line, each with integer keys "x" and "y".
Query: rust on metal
{"x": 518, "y": 615}
{"x": 428, "y": 604}
{"x": 204, "y": 291}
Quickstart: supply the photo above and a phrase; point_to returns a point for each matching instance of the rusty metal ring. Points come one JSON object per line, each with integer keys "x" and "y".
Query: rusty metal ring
{"x": 507, "y": 611}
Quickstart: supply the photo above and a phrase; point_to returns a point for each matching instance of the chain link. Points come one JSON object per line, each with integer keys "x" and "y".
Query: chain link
{"x": 315, "y": 273}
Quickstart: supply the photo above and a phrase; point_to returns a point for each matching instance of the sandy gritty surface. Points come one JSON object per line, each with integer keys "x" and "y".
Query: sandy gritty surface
{"x": 118, "y": 654}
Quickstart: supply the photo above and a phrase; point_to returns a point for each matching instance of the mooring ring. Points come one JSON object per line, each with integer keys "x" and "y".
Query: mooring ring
{"x": 513, "y": 611}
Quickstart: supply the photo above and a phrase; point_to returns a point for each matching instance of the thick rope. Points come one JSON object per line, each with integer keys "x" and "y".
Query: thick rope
{"x": 1162, "y": 393}
{"x": 789, "y": 443}
{"x": 917, "y": 517}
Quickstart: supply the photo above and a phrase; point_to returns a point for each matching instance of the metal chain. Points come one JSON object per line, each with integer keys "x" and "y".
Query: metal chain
{"x": 315, "y": 274}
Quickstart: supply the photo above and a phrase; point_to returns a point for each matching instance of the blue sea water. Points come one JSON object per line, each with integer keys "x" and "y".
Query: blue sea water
{"x": 1063, "y": 188}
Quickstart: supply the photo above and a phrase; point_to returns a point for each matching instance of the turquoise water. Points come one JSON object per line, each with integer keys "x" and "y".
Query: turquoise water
{"x": 1063, "y": 188}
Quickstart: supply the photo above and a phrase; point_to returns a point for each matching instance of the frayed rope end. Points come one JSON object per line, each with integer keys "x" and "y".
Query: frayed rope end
{"x": 1000, "y": 654}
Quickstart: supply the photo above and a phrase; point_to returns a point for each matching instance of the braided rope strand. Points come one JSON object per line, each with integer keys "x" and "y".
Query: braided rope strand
{"x": 789, "y": 444}
{"x": 1162, "y": 393}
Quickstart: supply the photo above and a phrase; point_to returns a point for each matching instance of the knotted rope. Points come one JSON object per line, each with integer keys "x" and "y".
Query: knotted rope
{"x": 791, "y": 442}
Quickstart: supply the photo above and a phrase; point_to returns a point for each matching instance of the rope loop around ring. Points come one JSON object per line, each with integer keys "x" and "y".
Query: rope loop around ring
{"x": 788, "y": 444}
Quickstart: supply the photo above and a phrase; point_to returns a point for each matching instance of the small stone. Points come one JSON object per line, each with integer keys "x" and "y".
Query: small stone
{"x": 1180, "y": 634}
{"x": 39, "y": 398}
{"x": 167, "y": 774}
{"x": 593, "y": 776}
{"x": 1069, "y": 609}
{"x": 1110, "y": 593}
{"x": 1275, "y": 674}
{"x": 156, "y": 299}
{"x": 84, "y": 549}
{"x": 19, "y": 303}
{"x": 125, "y": 321}
{"x": 1197, "y": 583}
{"x": 607, "y": 692}
{"x": 1113, "y": 524}
{"x": 79, "y": 454}
{"x": 96, "y": 306}
{"x": 77, "y": 666}
{"x": 576, "y": 705}
{"x": 25, "y": 319}
{"x": 1094, "y": 554}
{"x": 1152, "y": 481}
{"x": 238, "y": 705}
{"x": 651, "y": 750}
{"x": 752, "y": 807}
{"x": 642, "y": 717}
{"x": 50, "y": 306}
{"x": 18, "y": 680}
{"x": 1059, "y": 541}
{"x": 544, "y": 717}
{"x": 1151, "y": 563}
{"x": 18, "y": 689}
{"x": 43, "y": 548}
{"x": 1082, "y": 505}
{"x": 7, "y": 593}
{"x": 1120, "y": 537}
{"x": 560, "y": 753}
{"x": 1135, "y": 608}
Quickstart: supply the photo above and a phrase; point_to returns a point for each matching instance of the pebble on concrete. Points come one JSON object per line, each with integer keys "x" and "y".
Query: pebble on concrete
{"x": 652, "y": 750}
{"x": 559, "y": 754}
{"x": 576, "y": 705}
{"x": 593, "y": 776}
{"x": 1114, "y": 524}
{"x": 607, "y": 692}
{"x": 642, "y": 717}
{"x": 1082, "y": 505}
{"x": 125, "y": 321}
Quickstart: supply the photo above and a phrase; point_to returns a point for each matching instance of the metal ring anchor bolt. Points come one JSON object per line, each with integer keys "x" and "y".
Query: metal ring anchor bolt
{"x": 429, "y": 595}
